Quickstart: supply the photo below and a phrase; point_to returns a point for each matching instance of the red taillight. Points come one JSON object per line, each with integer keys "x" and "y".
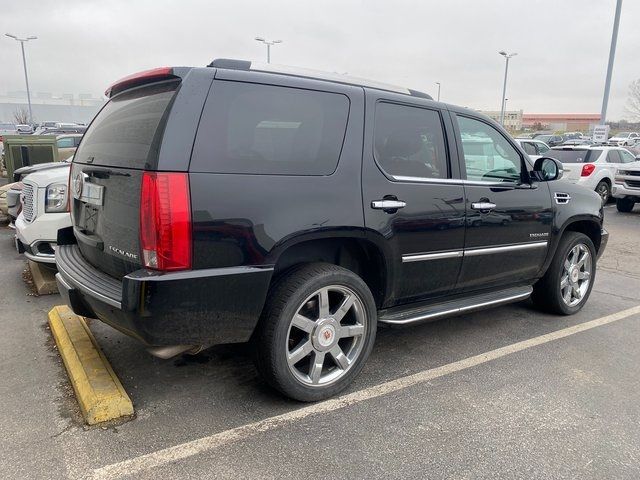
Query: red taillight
{"x": 587, "y": 169}
{"x": 138, "y": 79}
{"x": 165, "y": 221}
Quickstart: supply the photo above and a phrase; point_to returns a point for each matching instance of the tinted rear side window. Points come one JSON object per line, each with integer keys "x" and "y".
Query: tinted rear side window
{"x": 127, "y": 131}
{"x": 264, "y": 129}
{"x": 574, "y": 156}
{"x": 409, "y": 141}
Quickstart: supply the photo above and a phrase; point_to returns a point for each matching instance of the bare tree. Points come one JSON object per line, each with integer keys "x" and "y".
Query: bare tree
{"x": 21, "y": 115}
{"x": 633, "y": 102}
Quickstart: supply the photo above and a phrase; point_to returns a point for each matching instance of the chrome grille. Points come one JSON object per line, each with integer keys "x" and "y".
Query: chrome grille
{"x": 28, "y": 202}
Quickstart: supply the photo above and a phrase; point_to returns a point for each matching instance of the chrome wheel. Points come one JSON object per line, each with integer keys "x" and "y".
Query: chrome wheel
{"x": 326, "y": 335}
{"x": 603, "y": 190}
{"x": 576, "y": 275}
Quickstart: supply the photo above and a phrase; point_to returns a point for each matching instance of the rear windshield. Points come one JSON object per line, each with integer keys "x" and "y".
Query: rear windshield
{"x": 574, "y": 156}
{"x": 127, "y": 131}
{"x": 266, "y": 129}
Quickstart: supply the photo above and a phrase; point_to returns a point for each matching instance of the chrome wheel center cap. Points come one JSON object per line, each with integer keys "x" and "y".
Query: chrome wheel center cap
{"x": 573, "y": 275}
{"x": 325, "y": 335}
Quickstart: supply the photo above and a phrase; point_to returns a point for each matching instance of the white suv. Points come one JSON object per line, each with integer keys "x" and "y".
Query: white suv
{"x": 44, "y": 211}
{"x": 626, "y": 189}
{"x": 593, "y": 167}
{"x": 533, "y": 147}
{"x": 623, "y": 138}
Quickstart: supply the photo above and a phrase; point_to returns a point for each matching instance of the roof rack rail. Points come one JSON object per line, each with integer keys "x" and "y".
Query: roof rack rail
{"x": 231, "y": 64}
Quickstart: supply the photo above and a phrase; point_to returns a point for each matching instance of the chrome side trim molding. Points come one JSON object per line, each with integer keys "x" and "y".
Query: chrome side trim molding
{"x": 420, "y": 257}
{"x": 456, "y": 310}
{"x": 452, "y": 181}
{"x": 507, "y": 248}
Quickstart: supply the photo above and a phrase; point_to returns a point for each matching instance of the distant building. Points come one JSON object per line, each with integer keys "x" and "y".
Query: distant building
{"x": 512, "y": 118}
{"x": 566, "y": 122}
{"x": 49, "y": 107}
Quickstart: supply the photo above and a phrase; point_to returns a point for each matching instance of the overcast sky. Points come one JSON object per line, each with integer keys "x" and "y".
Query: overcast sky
{"x": 562, "y": 45}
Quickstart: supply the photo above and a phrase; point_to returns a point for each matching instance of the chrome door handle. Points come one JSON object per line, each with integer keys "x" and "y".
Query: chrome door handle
{"x": 483, "y": 206}
{"x": 388, "y": 204}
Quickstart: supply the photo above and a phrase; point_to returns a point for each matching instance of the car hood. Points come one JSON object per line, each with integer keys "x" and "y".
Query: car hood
{"x": 47, "y": 176}
{"x": 38, "y": 167}
{"x": 629, "y": 166}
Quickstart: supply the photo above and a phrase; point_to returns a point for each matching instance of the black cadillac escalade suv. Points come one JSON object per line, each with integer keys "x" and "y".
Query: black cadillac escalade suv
{"x": 295, "y": 210}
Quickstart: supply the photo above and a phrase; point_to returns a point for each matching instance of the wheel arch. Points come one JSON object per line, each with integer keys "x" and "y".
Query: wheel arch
{"x": 589, "y": 225}
{"x": 364, "y": 252}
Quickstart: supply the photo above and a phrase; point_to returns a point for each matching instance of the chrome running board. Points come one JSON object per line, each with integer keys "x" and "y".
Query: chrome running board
{"x": 416, "y": 313}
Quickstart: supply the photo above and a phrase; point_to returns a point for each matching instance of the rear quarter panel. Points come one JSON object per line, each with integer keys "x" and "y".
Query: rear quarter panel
{"x": 242, "y": 219}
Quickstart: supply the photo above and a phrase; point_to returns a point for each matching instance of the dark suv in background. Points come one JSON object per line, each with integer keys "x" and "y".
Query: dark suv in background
{"x": 296, "y": 210}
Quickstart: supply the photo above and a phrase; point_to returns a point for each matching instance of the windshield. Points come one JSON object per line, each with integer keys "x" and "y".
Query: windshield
{"x": 575, "y": 156}
{"x": 623, "y": 134}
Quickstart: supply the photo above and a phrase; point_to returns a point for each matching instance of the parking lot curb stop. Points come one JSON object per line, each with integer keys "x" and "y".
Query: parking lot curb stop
{"x": 44, "y": 279}
{"x": 100, "y": 394}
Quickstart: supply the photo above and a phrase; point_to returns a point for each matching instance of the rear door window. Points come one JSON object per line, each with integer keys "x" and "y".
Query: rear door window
{"x": 409, "y": 142}
{"x": 264, "y": 129}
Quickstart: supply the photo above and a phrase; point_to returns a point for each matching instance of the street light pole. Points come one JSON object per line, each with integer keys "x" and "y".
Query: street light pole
{"x": 612, "y": 54}
{"x": 268, "y": 43}
{"x": 507, "y": 56}
{"x": 24, "y": 64}
{"x": 438, "y": 83}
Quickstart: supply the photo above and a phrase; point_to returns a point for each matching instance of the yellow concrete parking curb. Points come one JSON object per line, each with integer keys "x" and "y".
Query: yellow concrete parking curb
{"x": 99, "y": 392}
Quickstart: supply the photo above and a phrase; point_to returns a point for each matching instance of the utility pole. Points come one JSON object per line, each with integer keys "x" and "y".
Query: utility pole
{"x": 612, "y": 54}
{"x": 24, "y": 64}
{"x": 438, "y": 83}
{"x": 506, "y": 56}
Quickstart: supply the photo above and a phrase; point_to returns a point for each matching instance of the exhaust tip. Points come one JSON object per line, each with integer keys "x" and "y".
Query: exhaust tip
{"x": 169, "y": 351}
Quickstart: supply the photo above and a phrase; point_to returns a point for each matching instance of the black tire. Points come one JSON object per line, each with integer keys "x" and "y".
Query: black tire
{"x": 271, "y": 338}
{"x": 547, "y": 292}
{"x": 625, "y": 205}
{"x": 604, "y": 190}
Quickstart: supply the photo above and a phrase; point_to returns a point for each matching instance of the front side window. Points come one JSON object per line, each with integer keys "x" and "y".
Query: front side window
{"x": 409, "y": 141}
{"x": 626, "y": 157}
{"x": 65, "y": 142}
{"x": 264, "y": 129}
{"x": 613, "y": 157}
{"x": 488, "y": 156}
{"x": 542, "y": 148}
{"x": 529, "y": 148}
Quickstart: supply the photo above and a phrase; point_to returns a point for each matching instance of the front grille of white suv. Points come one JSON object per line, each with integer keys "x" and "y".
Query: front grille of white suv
{"x": 29, "y": 205}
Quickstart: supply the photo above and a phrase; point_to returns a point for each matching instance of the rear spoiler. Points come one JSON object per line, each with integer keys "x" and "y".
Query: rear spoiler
{"x": 144, "y": 77}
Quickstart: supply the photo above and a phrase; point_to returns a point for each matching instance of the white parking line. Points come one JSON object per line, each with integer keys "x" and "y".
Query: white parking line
{"x": 189, "y": 449}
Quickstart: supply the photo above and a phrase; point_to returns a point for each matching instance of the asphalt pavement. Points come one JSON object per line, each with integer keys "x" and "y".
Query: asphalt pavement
{"x": 564, "y": 408}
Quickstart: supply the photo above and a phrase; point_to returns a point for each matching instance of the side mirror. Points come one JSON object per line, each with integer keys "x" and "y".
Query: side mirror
{"x": 546, "y": 169}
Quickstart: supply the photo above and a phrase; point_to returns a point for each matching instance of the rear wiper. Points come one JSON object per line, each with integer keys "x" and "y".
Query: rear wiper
{"x": 104, "y": 172}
